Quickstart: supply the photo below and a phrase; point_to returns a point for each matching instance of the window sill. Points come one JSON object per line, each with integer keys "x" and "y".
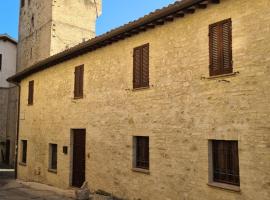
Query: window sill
{"x": 52, "y": 171}
{"x": 22, "y": 164}
{"x": 141, "y": 88}
{"x": 140, "y": 170}
{"x": 76, "y": 98}
{"x": 225, "y": 186}
{"x": 221, "y": 76}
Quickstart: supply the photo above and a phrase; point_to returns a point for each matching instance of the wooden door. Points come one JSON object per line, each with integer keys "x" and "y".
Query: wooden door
{"x": 7, "y": 152}
{"x": 78, "y": 169}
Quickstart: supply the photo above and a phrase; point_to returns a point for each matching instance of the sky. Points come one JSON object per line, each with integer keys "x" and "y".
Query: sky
{"x": 114, "y": 13}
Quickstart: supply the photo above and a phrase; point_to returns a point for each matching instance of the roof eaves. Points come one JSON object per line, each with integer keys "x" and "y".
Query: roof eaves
{"x": 158, "y": 17}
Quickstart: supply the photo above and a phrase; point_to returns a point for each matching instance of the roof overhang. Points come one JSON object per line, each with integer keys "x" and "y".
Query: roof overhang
{"x": 179, "y": 9}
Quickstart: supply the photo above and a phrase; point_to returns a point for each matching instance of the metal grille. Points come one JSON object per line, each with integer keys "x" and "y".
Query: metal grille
{"x": 226, "y": 162}
{"x": 142, "y": 152}
{"x": 24, "y": 151}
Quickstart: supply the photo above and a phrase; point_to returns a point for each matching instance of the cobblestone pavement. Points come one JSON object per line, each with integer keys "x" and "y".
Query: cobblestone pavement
{"x": 11, "y": 189}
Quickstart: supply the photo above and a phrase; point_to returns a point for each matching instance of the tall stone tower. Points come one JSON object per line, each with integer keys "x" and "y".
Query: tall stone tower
{"x": 48, "y": 27}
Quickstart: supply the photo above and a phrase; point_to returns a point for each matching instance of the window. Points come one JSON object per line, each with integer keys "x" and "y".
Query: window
{"x": 225, "y": 162}
{"x": 22, "y": 3}
{"x": 29, "y": 2}
{"x": 53, "y": 156}
{"x": 141, "y": 66}
{"x": 24, "y": 151}
{"x": 141, "y": 152}
{"x": 220, "y": 48}
{"x": 0, "y": 62}
{"x": 78, "y": 82}
{"x": 31, "y": 93}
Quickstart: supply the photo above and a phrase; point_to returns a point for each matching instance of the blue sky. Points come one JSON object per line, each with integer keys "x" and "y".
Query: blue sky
{"x": 115, "y": 13}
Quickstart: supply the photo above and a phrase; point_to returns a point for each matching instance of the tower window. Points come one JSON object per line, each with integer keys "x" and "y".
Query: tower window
{"x": 33, "y": 21}
{"x": 22, "y": 3}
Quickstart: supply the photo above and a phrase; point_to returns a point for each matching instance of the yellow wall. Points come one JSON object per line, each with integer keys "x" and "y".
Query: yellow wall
{"x": 180, "y": 112}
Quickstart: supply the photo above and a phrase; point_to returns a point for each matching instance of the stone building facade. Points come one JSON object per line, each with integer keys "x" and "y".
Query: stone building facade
{"x": 51, "y": 26}
{"x": 183, "y": 111}
{"x": 8, "y": 100}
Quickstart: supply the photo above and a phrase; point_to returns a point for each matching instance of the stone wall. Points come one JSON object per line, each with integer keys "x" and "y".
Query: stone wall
{"x": 8, "y": 121}
{"x": 181, "y": 111}
{"x": 3, "y": 120}
{"x": 8, "y": 51}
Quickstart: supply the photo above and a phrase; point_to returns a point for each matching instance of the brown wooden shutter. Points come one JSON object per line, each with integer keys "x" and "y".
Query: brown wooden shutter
{"x": 220, "y": 48}
{"x": 78, "y": 82}
{"x": 31, "y": 93}
{"x": 141, "y": 66}
{"x": 0, "y": 62}
{"x": 145, "y": 66}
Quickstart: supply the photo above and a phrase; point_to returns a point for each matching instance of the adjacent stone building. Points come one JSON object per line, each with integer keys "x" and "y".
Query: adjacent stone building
{"x": 175, "y": 105}
{"x": 8, "y": 100}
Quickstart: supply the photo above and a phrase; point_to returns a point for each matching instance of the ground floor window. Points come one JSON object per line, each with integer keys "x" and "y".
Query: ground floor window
{"x": 225, "y": 162}
{"x": 141, "y": 152}
{"x": 23, "y": 151}
{"x": 53, "y": 156}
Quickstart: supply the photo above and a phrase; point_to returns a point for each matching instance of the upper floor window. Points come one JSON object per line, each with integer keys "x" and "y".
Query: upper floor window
{"x": 220, "y": 48}
{"x": 78, "y": 82}
{"x": 30, "y": 92}
{"x": 141, "y": 66}
{"x": 0, "y": 62}
{"x": 225, "y": 162}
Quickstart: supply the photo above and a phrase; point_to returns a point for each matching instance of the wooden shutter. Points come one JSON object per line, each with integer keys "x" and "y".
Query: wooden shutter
{"x": 78, "y": 82}
{"x": 220, "y": 48}
{"x": 141, "y": 66}
{"x": 31, "y": 93}
{"x": 0, "y": 62}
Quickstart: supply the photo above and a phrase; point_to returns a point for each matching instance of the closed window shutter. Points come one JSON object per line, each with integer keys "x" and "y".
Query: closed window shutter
{"x": 137, "y": 67}
{"x": 78, "y": 82}
{"x": 141, "y": 66}
{"x": 145, "y": 66}
{"x": 220, "y": 47}
{"x": 30, "y": 92}
{"x": 0, "y": 62}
